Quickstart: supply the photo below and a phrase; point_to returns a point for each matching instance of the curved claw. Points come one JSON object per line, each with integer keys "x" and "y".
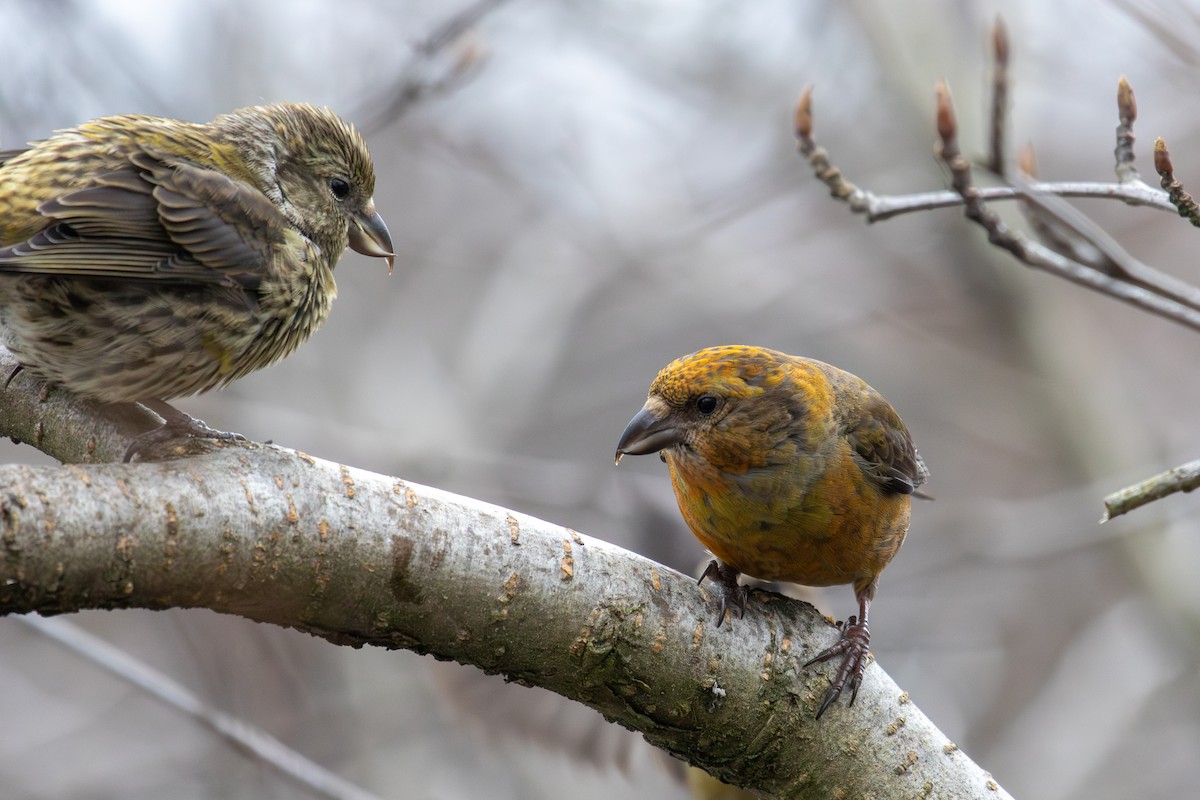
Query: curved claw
{"x": 176, "y": 425}
{"x": 15, "y": 371}
{"x": 855, "y": 647}
{"x": 733, "y": 595}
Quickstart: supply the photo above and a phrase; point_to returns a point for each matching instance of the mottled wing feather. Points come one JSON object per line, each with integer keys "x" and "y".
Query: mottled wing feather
{"x": 225, "y": 225}
{"x": 883, "y": 448}
{"x": 109, "y": 229}
{"x": 119, "y": 207}
{"x": 9, "y": 155}
{"x": 158, "y": 222}
{"x": 61, "y": 250}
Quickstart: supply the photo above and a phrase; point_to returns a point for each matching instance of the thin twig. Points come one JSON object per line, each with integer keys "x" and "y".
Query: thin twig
{"x": 1152, "y": 292}
{"x": 1126, "y": 115}
{"x": 1080, "y": 252}
{"x": 1183, "y": 478}
{"x": 1046, "y": 230}
{"x": 1094, "y": 247}
{"x": 818, "y": 158}
{"x": 237, "y": 732}
{"x": 1166, "y": 172}
{"x": 456, "y": 25}
{"x": 1032, "y": 253}
{"x": 1068, "y": 231}
{"x": 877, "y": 208}
{"x": 1000, "y": 52}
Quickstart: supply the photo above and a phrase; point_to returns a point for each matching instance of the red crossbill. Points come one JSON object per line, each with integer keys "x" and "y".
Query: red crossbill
{"x": 144, "y": 259}
{"x": 786, "y": 469}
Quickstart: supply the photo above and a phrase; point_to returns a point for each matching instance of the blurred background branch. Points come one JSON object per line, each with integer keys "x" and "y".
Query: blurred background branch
{"x": 260, "y": 745}
{"x": 423, "y": 75}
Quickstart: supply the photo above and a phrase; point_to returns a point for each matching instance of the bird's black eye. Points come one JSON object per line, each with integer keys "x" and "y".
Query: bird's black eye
{"x": 706, "y": 404}
{"x": 339, "y": 188}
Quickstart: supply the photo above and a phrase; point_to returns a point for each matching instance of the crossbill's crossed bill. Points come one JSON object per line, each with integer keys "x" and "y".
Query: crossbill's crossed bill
{"x": 144, "y": 259}
{"x": 786, "y": 469}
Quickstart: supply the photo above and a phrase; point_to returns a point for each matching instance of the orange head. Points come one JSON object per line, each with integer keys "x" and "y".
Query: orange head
{"x": 732, "y": 407}
{"x": 774, "y": 457}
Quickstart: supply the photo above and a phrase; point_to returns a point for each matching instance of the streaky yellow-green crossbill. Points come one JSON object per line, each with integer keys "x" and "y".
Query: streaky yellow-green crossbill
{"x": 144, "y": 259}
{"x": 786, "y": 469}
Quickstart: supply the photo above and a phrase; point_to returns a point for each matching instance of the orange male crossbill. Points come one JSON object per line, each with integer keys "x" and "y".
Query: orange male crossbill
{"x": 786, "y": 469}
{"x": 144, "y": 259}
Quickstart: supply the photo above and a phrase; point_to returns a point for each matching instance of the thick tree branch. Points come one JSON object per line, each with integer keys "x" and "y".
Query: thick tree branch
{"x": 359, "y": 558}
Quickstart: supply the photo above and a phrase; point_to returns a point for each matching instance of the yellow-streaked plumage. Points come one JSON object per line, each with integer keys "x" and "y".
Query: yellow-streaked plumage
{"x": 145, "y": 259}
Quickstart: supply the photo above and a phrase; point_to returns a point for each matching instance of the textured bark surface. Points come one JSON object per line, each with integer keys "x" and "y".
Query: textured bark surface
{"x": 359, "y": 558}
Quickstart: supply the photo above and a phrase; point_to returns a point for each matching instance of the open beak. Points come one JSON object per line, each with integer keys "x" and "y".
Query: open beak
{"x": 369, "y": 235}
{"x": 652, "y": 429}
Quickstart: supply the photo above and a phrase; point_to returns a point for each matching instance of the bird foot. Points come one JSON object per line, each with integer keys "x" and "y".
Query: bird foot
{"x": 854, "y": 646}
{"x": 733, "y": 595}
{"x": 176, "y": 425}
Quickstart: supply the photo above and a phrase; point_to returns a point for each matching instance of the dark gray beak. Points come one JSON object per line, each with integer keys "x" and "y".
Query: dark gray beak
{"x": 369, "y": 235}
{"x": 652, "y": 429}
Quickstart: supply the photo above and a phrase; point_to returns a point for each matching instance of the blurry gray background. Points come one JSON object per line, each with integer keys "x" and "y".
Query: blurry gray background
{"x": 617, "y": 185}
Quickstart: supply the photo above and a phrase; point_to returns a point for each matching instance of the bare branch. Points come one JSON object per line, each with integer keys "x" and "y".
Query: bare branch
{"x": 1032, "y": 253}
{"x": 1183, "y": 478}
{"x": 456, "y": 25}
{"x": 1088, "y": 243}
{"x": 877, "y": 208}
{"x": 825, "y": 171}
{"x": 1119, "y": 276}
{"x": 61, "y": 425}
{"x": 1079, "y": 250}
